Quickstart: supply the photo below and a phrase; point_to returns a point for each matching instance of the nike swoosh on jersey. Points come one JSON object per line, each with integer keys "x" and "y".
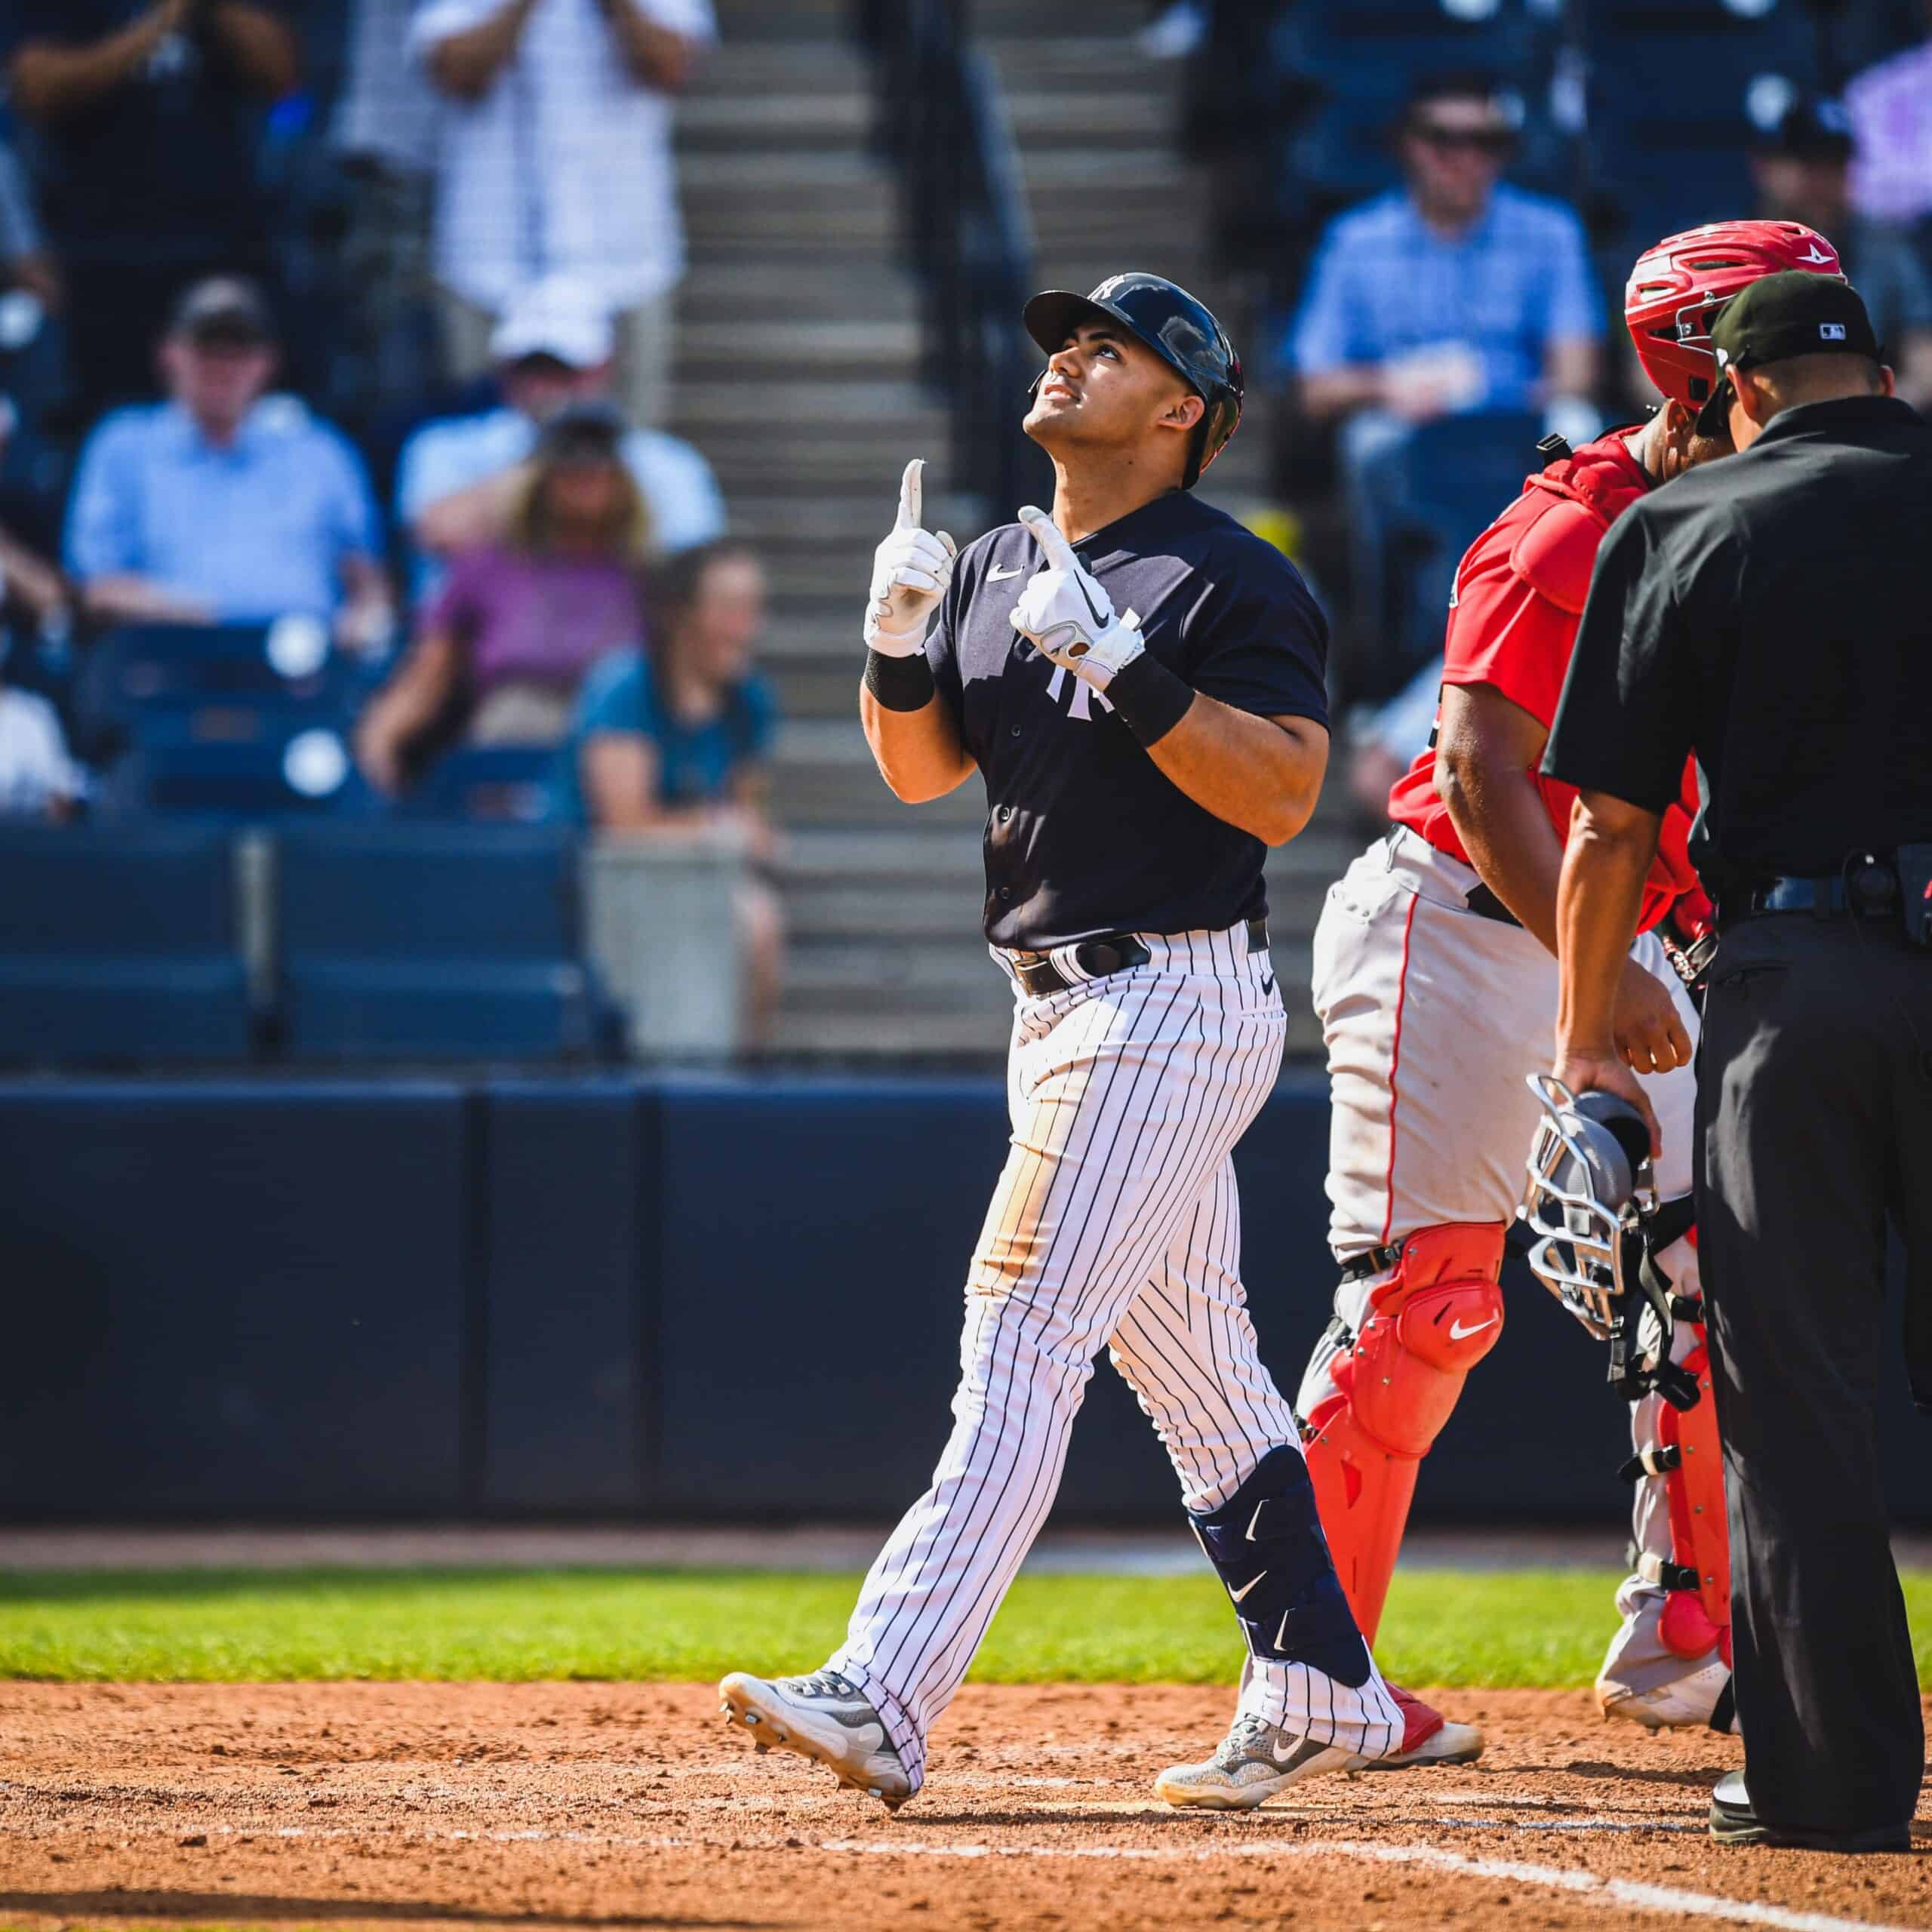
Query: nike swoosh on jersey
{"x": 1236, "y": 1595}
{"x": 1457, "y": 1333}
{"x": 996, "y": 575}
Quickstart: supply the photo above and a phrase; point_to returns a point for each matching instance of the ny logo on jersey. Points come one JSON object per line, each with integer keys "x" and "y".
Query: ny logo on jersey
{"x": 1084, "y": 696}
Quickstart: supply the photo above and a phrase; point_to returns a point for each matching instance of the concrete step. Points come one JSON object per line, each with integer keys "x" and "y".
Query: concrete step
{"x": 858, "y": 347}
{"x": 840, "y": 290}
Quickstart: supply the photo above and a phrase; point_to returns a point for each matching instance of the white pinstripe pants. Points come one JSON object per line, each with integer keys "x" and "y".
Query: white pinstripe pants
{"x": 1116, "y": 1223}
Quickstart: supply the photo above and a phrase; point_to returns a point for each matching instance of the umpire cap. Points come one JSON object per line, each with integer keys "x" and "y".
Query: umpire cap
{"x": 1178, "y": 329}
{"x": 1779, "y": 317}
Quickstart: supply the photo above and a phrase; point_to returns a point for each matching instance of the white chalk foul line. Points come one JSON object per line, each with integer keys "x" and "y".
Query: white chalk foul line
{"x": 1584, "y": 1886}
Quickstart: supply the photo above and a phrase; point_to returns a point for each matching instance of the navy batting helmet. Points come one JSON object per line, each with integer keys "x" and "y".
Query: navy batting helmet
{"x": 1178, "y": 329}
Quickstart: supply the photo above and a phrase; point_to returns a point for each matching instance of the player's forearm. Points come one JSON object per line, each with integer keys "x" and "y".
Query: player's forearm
{"x": 917, "y": 752}
{"x": 1261, "y": 774}
{"x": 1604, "y": 865}
{"x": 1501, "y": 819}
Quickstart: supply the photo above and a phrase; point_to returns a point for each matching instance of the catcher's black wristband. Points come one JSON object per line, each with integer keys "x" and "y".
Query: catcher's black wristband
{"x": 899, "y": 684}
{"x": 1150, "y": 699}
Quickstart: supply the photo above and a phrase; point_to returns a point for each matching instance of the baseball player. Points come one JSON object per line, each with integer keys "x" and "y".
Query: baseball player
{"x": 1436, "y": 981}
{"x": 1139, "y": 683}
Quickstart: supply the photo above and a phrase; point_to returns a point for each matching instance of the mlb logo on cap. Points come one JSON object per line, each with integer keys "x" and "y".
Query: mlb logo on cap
{"x": 1830, "y": 331}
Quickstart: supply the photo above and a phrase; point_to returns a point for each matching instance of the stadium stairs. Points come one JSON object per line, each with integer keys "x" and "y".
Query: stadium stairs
{"x": 799, "y": 377}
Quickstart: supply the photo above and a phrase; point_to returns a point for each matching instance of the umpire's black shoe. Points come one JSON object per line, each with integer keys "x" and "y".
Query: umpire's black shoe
{"x": 1733, "y": 1821}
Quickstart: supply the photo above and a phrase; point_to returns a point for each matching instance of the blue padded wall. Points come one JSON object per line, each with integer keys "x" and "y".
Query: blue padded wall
{"x": 568, "y": 1228}
{"x": 238, "y": 1300}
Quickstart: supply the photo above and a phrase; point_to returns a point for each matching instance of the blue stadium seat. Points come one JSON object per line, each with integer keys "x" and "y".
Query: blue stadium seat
{"x": 420, "y": 942}
{"x": 239, "y": 763}
{"x": 119, "y": 946}
{"x": 489, "y": 784}
{"x": 1360, "y": 61}
{"x": 1677, "y": 88}
{"x": 291, "y": 663}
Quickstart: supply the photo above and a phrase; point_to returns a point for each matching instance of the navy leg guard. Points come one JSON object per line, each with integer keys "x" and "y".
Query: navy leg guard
{"x": 1266, "y": 1543}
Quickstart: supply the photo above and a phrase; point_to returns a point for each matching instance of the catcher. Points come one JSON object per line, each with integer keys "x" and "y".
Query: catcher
{"x": 1435, "y": 979}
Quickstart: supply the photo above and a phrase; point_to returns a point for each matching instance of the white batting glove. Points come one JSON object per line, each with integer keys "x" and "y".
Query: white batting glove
{"x": 1065, "y": 614}
{"x": 911, "y": 570}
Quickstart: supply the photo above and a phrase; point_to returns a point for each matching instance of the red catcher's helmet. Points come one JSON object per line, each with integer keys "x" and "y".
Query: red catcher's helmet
{"x": 1676, "y": 289}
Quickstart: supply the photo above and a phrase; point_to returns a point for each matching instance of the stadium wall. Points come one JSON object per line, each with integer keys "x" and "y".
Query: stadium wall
{"x": 710, "y": 1299}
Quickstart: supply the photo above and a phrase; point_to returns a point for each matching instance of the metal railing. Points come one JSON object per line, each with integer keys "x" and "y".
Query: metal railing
{"x": 941, "y": 119}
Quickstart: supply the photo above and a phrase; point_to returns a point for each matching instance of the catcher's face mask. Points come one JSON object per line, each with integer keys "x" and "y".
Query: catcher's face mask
{"x": 1590, "y": 1185}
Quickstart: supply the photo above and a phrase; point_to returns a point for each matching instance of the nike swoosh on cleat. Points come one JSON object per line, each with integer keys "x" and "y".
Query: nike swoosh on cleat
{"x": 1236, "y": 1595}
{"x": 1457, "y": 1333}
{"x": 1305, "y": 1749}
{"x": 996, "y": 575}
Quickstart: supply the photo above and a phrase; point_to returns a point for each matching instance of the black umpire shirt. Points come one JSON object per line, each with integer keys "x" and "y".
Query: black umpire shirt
{"x": 1772, "y": 612}
{"x": 1084, "y": 834}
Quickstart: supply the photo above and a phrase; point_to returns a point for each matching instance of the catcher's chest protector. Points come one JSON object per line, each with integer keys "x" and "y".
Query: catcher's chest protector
{"x": 1563, "y": 515}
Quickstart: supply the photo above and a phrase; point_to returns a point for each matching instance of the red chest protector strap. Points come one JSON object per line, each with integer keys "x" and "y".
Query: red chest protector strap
{"x": 1565, "y": 512}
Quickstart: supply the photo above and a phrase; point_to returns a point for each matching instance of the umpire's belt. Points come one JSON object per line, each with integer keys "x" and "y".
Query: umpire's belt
{"x": 1868, "y": 889}
{"x": 1112, "y": 952}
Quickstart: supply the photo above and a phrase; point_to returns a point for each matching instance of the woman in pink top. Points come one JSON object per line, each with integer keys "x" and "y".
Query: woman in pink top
{"x": 516, "y": 625}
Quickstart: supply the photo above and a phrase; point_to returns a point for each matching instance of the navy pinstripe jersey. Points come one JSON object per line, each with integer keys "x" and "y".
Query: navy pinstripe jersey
{"x": 1084, "y": 834}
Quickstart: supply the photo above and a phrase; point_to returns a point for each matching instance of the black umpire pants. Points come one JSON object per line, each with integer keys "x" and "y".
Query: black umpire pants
{"x": 1814, "y": 1123}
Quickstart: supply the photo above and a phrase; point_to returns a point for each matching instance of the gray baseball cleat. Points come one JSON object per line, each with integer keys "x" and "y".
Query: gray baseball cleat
{"x": 823, "y": 1717}
{"x": 1254, "y": 1761}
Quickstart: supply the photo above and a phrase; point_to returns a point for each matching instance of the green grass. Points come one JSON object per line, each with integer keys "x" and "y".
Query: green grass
{"x": 1488, "y": 1628}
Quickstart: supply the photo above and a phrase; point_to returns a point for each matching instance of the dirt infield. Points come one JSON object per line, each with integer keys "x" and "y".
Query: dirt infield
{"x": 630, "y": 1805}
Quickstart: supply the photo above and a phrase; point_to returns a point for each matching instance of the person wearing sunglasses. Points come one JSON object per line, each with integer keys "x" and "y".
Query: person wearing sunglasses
{"x": 1453, "y": 294}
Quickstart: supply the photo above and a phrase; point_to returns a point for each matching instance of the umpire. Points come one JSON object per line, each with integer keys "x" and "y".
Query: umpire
{"x": 1773, "y": 615}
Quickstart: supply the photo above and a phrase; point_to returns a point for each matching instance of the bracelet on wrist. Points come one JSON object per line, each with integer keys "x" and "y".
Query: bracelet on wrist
{"x": 899, "y": 684}
{"x": 1150, "y": 700}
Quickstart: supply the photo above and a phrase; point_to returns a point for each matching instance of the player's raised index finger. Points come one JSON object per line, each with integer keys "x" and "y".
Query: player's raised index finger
{"x": 911, "y": 494}
{"x": 1058, "y": 550}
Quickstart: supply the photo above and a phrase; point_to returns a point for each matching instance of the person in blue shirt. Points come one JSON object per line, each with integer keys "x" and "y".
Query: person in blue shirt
{"x": 674, "y": 740}
{"x": 225, "y": 504}
{"x": 1454, "y": 295}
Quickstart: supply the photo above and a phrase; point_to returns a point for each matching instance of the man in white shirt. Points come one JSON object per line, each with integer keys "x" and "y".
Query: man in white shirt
{"x": 457, "y": 477}
{"x": 554, "y": 158}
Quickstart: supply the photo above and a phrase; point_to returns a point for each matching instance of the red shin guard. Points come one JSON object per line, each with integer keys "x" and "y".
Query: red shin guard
{"x": 1435, "y": 1317}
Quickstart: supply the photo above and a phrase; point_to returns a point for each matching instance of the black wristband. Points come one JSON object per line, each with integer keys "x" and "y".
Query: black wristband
{"x": 1150, "y": 699}
{"x": 899, "y": 684}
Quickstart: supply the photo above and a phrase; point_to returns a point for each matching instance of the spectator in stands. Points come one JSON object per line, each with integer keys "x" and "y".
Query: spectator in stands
{"x": 520, "y": 621}
{"x": 145, "y": 112}
{"x": 1802, "y": 168}
{"x": 1889, "y": 108}
{"x": 675, "y": 738}
{"x": 38, "y": 778}
{"x": 225, "y": 504}
{"x": 458, "y": 477}
{"x": 556, "y": 158}
{"x": 1453, "y": 295}
{"x": 384, "y": 133}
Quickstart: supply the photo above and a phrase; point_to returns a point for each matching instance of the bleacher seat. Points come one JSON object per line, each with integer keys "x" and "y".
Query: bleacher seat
{"x": 405, "y": 941}
{"x": 263, "y": 763}
{"x": 120, "y": 946}
{"x": 290, "y": 664}
{"x": 489, "y": 784}
{"x": 1677, "y": 89}
{"x": 1358, "y": 64}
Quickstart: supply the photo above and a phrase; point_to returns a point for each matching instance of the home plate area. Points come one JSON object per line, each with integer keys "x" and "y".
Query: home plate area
{"x": 620, "y": 1805}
